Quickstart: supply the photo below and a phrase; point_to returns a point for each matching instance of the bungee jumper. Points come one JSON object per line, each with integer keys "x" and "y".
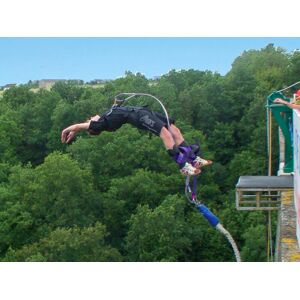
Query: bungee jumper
{"x": 186, "y": 156}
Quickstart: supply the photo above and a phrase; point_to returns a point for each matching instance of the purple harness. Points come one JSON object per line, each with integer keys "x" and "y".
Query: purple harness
{"x": 187, "y": 154}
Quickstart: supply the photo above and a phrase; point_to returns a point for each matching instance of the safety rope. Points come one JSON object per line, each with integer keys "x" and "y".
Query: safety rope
{"x": 211, "y": 218}
{"x": 289, "y": 86}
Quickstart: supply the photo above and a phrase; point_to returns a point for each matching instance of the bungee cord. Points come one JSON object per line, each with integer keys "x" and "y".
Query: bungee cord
{"x": 209, "y": 216}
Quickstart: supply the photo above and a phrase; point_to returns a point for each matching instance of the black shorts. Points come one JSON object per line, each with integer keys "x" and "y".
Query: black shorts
{"x": 139, "y": 117}
{"x": 147, "y": 120}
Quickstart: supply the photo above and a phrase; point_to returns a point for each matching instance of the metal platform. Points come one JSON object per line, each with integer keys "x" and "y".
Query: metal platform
{"x": 261, "y": 192}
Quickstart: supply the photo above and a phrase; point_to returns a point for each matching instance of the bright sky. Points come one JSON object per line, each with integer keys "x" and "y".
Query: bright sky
{"x": 24, "y": 59}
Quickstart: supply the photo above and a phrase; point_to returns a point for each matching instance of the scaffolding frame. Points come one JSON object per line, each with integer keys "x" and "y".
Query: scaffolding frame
{"x": 261, "y": 192}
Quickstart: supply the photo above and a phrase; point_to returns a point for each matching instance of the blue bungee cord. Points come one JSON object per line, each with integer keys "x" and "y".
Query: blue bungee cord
{"x": 213, "y": 220}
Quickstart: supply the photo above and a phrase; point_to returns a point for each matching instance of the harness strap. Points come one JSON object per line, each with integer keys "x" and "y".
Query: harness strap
{"x": 194, "y": 192}
{"x": 189, "y": 153}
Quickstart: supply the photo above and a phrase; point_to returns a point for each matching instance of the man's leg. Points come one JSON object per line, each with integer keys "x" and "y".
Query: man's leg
{"x": 179, "y": 141}
{"x": 167, "y": 138}
{"x": 175, "y": 132}
{"x": 173, "y": 151}
{"x": 177, "y": 136}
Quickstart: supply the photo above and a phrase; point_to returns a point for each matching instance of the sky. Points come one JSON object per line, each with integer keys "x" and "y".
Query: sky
{"x": 23, "y": 59}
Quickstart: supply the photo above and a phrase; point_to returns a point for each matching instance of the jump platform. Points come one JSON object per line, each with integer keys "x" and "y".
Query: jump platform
{"x": 261, "y": 192}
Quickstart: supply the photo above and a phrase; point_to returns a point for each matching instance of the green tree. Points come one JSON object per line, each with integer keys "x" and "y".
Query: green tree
{"x": 254, "y": 249}
{"x": 10, "y": 135}
{"x": 61, "y": 194}
{"x": 68, "y": 91}
{"x": 159, "y": 234}
{"x": 245, "y": 163}
{"x": 68, "y": 245}
{"x": 293, "y": 69}
{"x": 4, "y": 172}
{"x": 127, "y": 193}
{"x": 57, "y": 192}
{"x": 223, "y": 140}
{"x": 131, "y": 83}
{"x": 62, "y": 117}
{"x": 16, "y": 226}
{"x": 16, "y": 97}
{"x": 35, "y": 122}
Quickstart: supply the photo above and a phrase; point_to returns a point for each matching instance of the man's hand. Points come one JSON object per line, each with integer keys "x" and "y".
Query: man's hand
{"x": 278, "y": 100}
{"x": 68, "y": 134}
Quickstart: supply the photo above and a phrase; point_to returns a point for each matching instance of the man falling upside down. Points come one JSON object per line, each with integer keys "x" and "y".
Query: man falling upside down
{"x": 143, "y": 118}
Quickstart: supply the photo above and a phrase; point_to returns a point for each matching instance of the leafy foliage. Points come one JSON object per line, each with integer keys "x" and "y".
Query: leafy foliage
{"x": 73, "y": 244}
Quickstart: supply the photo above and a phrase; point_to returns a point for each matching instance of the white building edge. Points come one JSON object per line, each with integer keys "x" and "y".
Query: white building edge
{"x": 296, "y": 143}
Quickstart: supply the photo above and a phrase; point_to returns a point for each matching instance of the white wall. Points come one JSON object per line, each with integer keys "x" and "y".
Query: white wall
{"x": 297, "y": 168}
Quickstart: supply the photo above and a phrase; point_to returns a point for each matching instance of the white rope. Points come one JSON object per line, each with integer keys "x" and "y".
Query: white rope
{"x": 231, "y": 241}
{"x": 289, "y": 87}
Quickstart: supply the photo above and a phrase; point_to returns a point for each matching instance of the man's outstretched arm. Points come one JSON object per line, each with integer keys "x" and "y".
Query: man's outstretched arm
{"x": 68, "y": 134}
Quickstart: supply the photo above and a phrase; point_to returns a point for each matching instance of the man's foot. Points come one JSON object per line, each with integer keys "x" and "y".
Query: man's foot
{"x": 188, "y": 169}
{"x": 201, "y": 162}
